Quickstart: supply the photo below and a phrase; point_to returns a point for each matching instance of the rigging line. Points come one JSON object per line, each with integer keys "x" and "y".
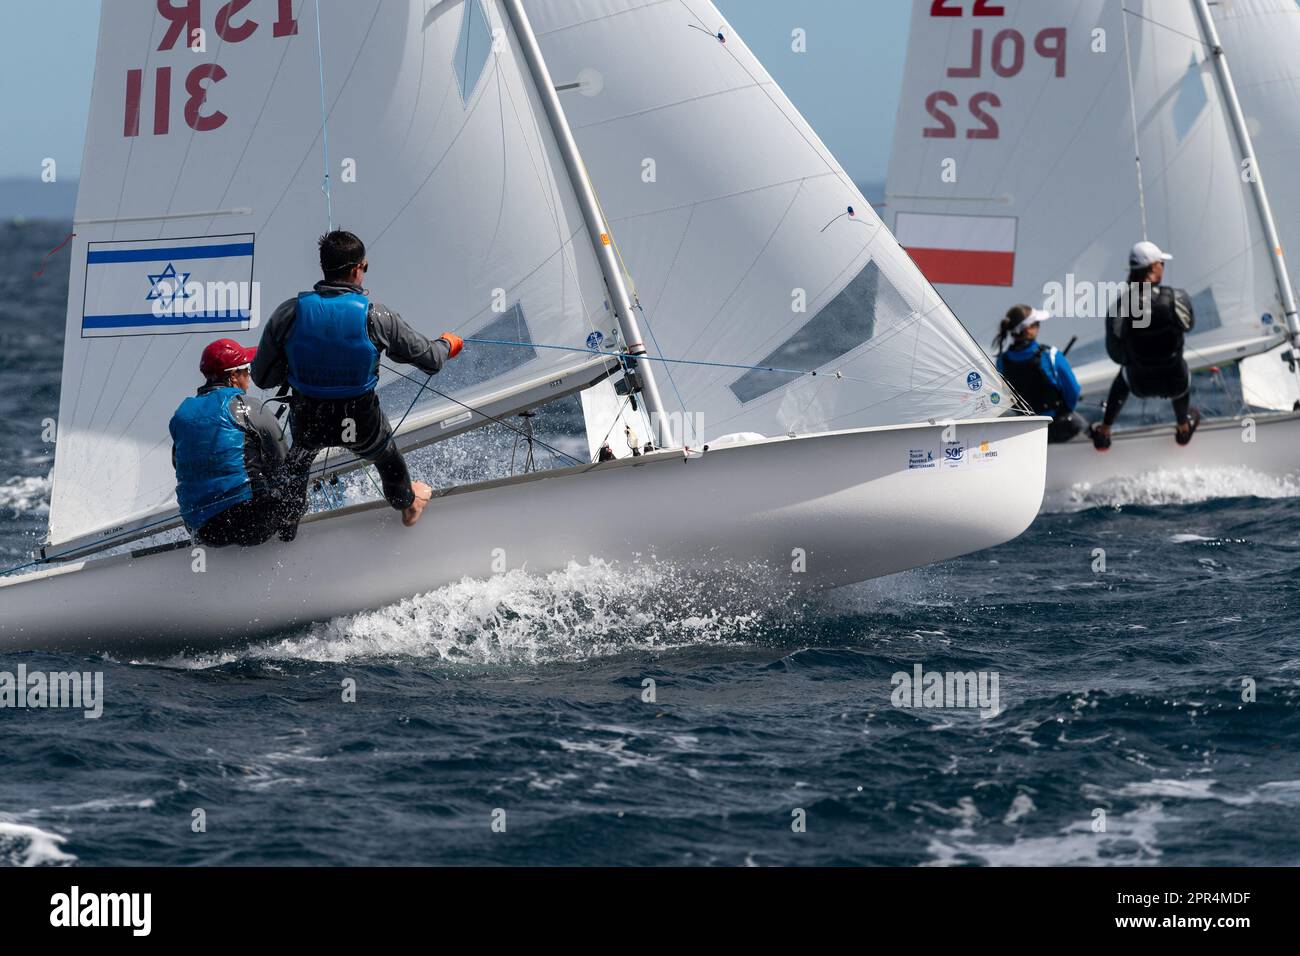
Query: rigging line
{"x": 1132, "y": 112}
{"x": 672, "y": 267}
{"x": 325, "y": 462}
{"x": 324, "y": 127}
{"x": 1164, "y": 26}
{"x": 343, "y": 87}
{"x": 617, "y": 415}
{"x": 425, "y": 386}
{"x": 647, "y": 358}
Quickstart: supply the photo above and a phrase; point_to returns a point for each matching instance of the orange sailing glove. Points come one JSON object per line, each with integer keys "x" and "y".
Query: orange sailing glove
{"x": 454, "y": 343}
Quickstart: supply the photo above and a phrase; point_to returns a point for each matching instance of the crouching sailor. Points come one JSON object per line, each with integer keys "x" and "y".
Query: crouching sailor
{"x": 326, "y": 344}
{"x": 1040, "y": 373}
{"x": 228, "y": 454}
{"x": 1145, "y": 333}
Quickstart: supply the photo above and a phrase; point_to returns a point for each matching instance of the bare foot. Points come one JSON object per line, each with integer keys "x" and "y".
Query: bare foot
{"x": 423, "y": 494}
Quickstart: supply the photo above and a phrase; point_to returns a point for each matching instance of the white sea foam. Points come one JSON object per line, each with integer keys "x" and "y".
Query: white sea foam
{"x": 24, "y": 845}
{"x": 1280, "y": 792}
{"x": 1176, "y": 487}
{"x": 585, "y": 611}
{"x": 26, "y": 495}
{"x": 1130, "y": 840}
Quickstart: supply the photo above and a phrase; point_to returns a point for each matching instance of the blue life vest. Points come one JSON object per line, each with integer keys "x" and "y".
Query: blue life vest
{"x": 329, "y": 349}
{"x": 210, "y": 472}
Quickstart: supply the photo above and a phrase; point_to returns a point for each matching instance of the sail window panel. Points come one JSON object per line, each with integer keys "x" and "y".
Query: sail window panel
{"x": 1205, "y": 309}
{"x": 1192, "y": 100}
{"x": 474, "y": 366}
{"x": 472, "y": 48}
{"x": 869, "y": 302}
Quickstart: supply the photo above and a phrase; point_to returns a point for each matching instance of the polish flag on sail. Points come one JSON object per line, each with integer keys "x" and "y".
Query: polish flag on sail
{"x": 960, "y": 250}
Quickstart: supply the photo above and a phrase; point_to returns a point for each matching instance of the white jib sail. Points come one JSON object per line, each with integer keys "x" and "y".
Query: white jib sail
{"x": 1261, "y": 38}
{"x": 206, "y": 165}
{"x": 610, "y": 420}
{"x": 1013, "y": 180}
{"x": 734, "y": 222}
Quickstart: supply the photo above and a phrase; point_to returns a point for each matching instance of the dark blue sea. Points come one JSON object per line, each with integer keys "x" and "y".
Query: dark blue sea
{"x": 1149, "y": 715}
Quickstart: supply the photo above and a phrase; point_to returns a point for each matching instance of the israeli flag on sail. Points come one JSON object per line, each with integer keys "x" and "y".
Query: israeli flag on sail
{"x": 167, "y": 286}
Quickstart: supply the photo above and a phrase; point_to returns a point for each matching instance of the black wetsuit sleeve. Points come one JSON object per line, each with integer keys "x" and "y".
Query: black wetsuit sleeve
{"x": 264, "y": 445}
{"x": 404, "y": 344}
{"x": 271, "y": 365}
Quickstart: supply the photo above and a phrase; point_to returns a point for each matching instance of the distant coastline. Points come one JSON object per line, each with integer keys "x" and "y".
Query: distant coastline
{"x": 33, "y": 199}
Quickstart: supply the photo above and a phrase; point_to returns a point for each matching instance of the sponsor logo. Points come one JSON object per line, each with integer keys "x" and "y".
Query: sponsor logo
{"x": 985, "y": 453}
{"x": 921, "y": 459}
{"x": 996, "y": 398}
{"x": 954, "y": 454}
{"x": 594, "y": 340}
{"x": 974, "y": 382}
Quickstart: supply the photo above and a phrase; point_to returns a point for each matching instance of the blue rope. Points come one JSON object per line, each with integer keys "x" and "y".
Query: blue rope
{"x": 643, "y": 358}
{"x": 324, "y": 128}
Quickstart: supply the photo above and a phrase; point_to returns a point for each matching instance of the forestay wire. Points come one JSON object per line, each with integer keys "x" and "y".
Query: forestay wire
{"x": 324, "y": 127}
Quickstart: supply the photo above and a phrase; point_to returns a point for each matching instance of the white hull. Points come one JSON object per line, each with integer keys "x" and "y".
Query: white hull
{"x": 848, "y": 499}
{"x": 1075, "y": 467}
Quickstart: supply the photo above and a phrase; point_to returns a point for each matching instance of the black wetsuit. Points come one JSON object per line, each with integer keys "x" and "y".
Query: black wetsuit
{"x": 1149, "y": 348}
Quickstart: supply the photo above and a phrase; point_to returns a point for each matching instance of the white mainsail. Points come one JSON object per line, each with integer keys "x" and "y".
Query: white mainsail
{"x": 1261, "y": 38}
{"x": 734, "y": 222}
{"x": 1013, "y": 178}
{"x": 437, "y": 159}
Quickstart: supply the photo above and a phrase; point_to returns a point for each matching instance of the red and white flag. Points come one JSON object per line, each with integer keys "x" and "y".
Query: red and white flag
{"x": 960, "y": 250}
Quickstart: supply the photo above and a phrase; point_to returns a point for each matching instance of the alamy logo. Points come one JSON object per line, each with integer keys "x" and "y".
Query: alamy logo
{"x": 947, "y": 689}
{"x": 134, "y": 910}
{"x": 53, "y": 689}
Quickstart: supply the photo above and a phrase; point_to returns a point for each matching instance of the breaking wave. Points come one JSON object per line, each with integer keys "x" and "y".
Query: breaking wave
{"x": 24, "y": 845}
{"x": 583, "y": 612}
{"x": 1187, "y": 486}
{"x": 26, "y": 495}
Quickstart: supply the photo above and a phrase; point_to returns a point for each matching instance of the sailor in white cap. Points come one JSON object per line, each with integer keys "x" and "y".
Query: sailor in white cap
{"x": 1144, "y": 336}
{"x": 1039, "y": 373}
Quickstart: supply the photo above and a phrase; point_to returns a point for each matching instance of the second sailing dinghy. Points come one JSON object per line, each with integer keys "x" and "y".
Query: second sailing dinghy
{"x": 1013, "y": 180}
{"x": 510, "y": 178}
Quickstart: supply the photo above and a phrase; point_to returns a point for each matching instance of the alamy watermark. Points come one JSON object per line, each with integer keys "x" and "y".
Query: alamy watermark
{"x": 76, "y": 690}
{"x": 217, "y": 300}
{"x": 1084, "y": 299}
{"x": 940, "y": 690}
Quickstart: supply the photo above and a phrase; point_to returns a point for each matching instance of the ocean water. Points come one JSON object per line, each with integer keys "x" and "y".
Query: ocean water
{"x": 1127, "y": 732}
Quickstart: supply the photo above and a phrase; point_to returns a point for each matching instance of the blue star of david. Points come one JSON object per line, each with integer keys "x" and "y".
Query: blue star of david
{"x": 175, "y": 288}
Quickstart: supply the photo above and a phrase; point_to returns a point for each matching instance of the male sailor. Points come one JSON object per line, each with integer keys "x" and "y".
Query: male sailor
{"x": 228, "y": 454}
{"x": 1039, "y": 373}
{"x": 1145, "y": 332}
{"x": 325, "y": 344}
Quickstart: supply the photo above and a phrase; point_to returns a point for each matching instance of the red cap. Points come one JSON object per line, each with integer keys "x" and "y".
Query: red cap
{"x": 224, "y": 355}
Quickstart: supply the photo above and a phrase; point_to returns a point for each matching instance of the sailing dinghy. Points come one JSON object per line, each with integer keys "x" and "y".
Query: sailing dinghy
{"x": 1013, "y": 180}
{"x": 512, "y": 167}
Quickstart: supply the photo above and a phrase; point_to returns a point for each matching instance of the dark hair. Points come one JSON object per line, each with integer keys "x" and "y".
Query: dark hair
{"x": 340, "y": 253}
{"x": 1015, "y": 315}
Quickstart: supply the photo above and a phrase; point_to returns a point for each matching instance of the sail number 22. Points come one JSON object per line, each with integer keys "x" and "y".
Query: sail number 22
{"x": 1005, "y": 53}
{"x": 183, "y": 20}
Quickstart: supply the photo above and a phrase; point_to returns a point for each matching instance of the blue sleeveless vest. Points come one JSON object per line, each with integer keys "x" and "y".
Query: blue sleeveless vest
{"x": 210, "y": 473}
{"x": 329, "y": 349}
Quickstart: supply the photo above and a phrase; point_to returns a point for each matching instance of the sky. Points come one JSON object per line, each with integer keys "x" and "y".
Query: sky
{"x": 846, "y": 84}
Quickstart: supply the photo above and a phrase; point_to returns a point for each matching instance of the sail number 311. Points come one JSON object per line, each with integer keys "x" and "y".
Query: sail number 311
{"x": 184, "y": 21}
